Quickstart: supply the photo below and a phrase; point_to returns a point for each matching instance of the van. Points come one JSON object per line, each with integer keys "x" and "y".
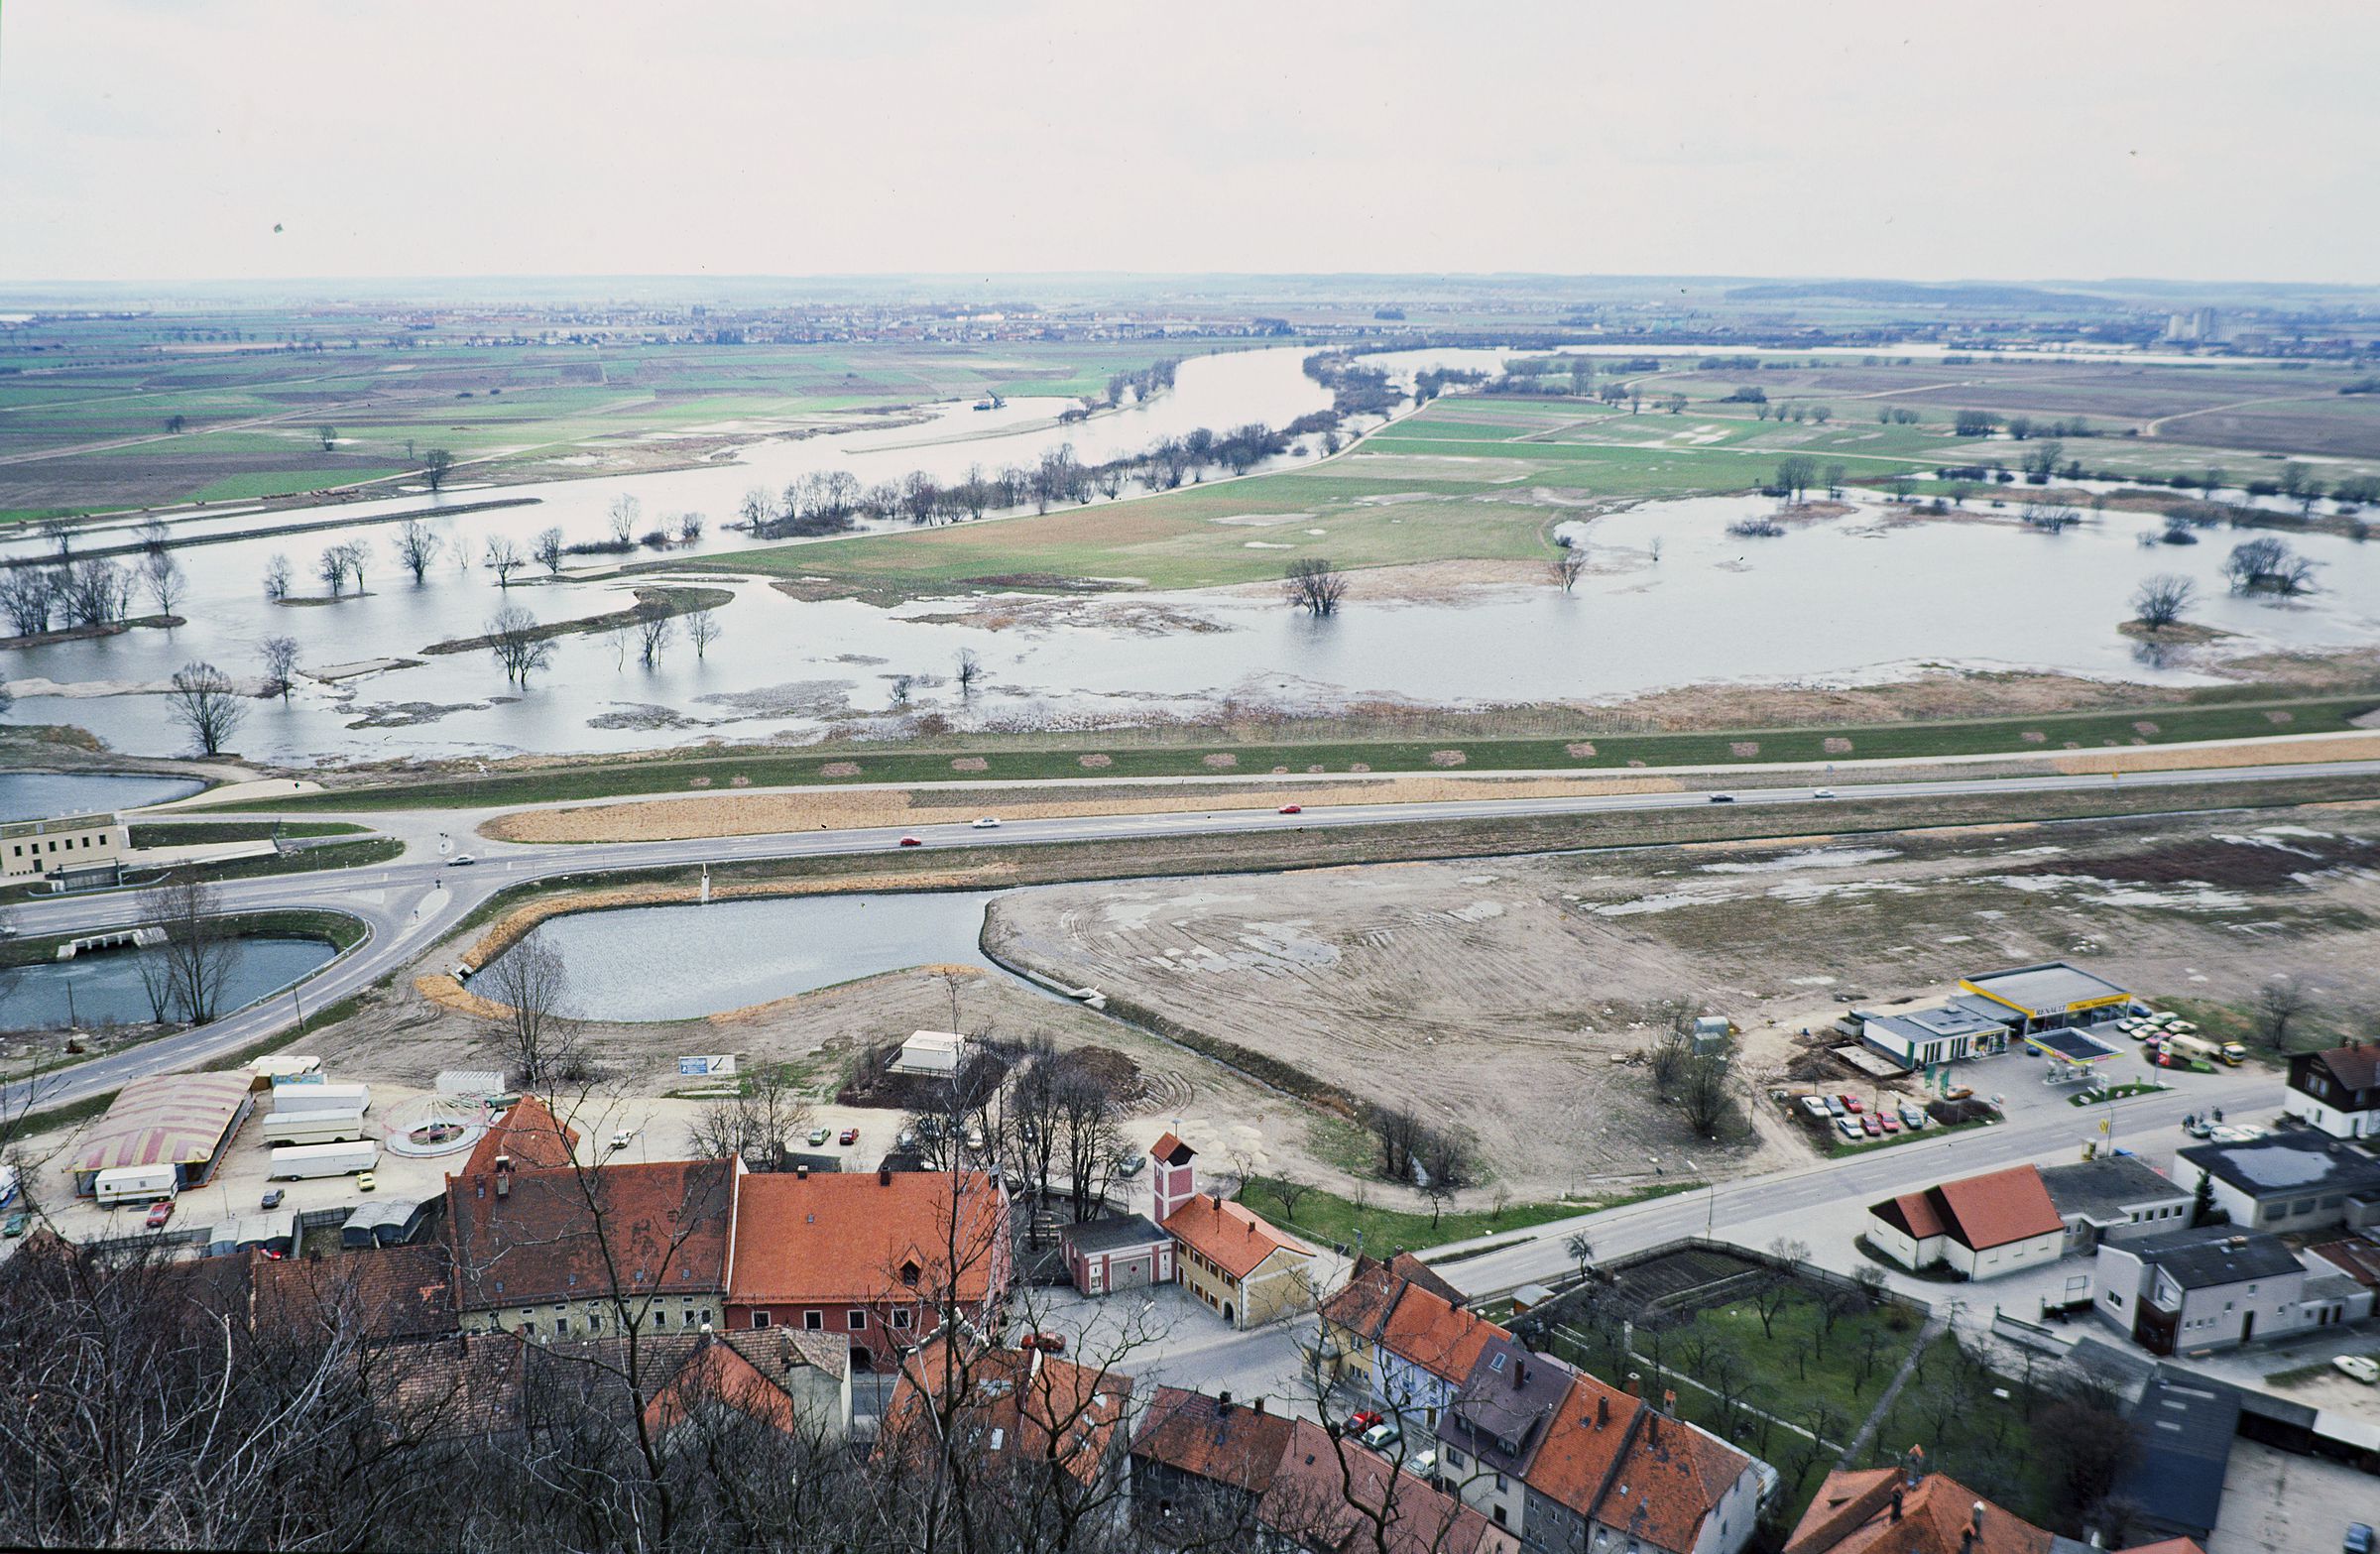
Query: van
{"x": 133, "y": 1184}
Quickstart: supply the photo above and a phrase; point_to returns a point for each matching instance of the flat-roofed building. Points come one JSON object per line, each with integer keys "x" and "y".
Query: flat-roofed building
{"x": 30, "y": 848}
{"x": 2114, "y": 1198}
{"x": 1925, "y": 1037}
{"x": 2049, "y": 996}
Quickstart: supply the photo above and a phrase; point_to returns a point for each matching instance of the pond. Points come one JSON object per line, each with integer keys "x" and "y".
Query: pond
{"x": 104, "y": 987}
{"x": 38, "y": 795}
{"x": 684, "y": 962}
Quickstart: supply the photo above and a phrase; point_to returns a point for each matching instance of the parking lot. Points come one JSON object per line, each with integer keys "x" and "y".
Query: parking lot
{"x": 1161, "y": 1336}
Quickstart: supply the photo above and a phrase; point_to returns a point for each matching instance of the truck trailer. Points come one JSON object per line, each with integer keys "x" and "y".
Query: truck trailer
{"x": 297, "y": 1161}
{"x": 297, "y": 1128}
{"x": 322, "y": 1098}
{"x": 133, "y": 1184}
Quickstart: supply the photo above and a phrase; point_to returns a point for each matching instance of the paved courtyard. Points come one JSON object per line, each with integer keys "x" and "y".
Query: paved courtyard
{"x": 2277, "y": 1503}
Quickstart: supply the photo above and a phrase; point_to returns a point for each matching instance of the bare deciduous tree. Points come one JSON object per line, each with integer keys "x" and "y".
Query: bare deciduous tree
{"x": 276, "y": 578}
{"x": 547, "y": 548}
{"x": 417, "y": 546}
{"x": 532, "y": 983}
{"x": 622, "y": 517}
{"x": 2161, "y": 599}
{"x": 281, "y": 664}
{"x": 519, "y": 647}
{"x": 436, "y": 464}
{"x": 205, "y": 701}
{"x": 164, "y": 579}
{"x": 970, "y": 670}
{"x": 505, "y": 557}
{"x": 655, "y": 626}
{"x": 1311, "y": 584}
{"x": 758, "y": 1124}
{"x": 199, "y": 948}
{"x": 1567, "y": 566}
{"x": 703, "y": 630}
{"x": 2282, "y": 1002}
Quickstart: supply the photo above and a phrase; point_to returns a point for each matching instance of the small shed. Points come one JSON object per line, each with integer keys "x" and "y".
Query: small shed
{"x": 933, "y": 1053}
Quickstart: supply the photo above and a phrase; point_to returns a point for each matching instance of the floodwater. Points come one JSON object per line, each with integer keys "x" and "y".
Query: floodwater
{"x": 685, "y": 962}
{"x": 1861, "y": 599}
{"x": 39, "y": 796}
{"x": 103, "y": 988}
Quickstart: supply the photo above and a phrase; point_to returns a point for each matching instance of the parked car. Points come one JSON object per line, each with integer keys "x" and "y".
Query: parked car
{"x": 160, "y": 1212}
{"x": 2358, "y": 1539}
{"x": 1816, "y": 1108}
{"x": 1365, "y": 1421}
{"x": 1870, "y": 1126}
{"x": 365, "y": 1181}
{"x": 1834, "y": 1106}
{"x": 1293, "y": 809}
{"x": 272, "y": 1199}
{"x": 2363, "y": 1368}
{"x": 1913, "y": 1117}
{"x": 17, "y": 1224}
{"x": 911, "y": 841}
{"x": 1130, "y": 1163}
{"x": 818, "y": 1136}
{"x": 851, "y": 1136}
{"x": 1853, "y": 1105}
{"x": 1849, "y": 1125}
{"x": 1047, "y": 1342}
{"x": 986, "y": 823}
{"x": 1889, "y": 1122}
{"x": 1381, "y": 1436}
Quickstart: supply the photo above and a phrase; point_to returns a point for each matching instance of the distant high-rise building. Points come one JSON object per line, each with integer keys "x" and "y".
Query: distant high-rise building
{"x": 2198, "y": 325}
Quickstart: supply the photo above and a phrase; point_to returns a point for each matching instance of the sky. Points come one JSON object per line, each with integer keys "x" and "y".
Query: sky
{"x": 150, "y": 140}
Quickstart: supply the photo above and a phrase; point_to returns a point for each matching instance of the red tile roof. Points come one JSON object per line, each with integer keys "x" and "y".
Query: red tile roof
{"x": 1614, "y": 1457}
{"x": 1171, "y": 1151}
{"x": 832, "y": 1238}
{"x": 386, "y": 1292}
{"x": 1436, "y": 1334}
{"x": 2357, "y": 1066}
{"x": 1912, "y": 1212}
{"x": 1370, "y": 1292}
{"x": 616, "y": 1231}
{"x": 1854, "y": 1513}
{"x": 1230, "y": 1236}
{"x": 2168, "y": 1546}
{"x": 1998, "y": 1207}
{"x": 1017, "y": 1406}
{"x": 1223, "y": 1443}
{"x": 746, "y": 1371}
{"x": 1583, "y": 1443}
{"x": 529, "y": 1134}
{"x": 1327, "y": 1494}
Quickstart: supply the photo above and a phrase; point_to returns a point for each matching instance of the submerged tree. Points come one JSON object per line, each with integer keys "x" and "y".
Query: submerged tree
{"x": 206, "y": 702}
{"x": 1313, "y": 586}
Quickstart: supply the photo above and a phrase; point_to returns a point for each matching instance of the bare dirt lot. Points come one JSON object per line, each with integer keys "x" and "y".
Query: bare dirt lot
{"x": 1496, "y": 996}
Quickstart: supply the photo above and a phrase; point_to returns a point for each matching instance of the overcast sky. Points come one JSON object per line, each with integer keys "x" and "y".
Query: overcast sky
{"x": 170, "y": 139}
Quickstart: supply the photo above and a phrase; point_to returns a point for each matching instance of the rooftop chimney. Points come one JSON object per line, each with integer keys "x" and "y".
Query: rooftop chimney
{"x": 1975, "y": 1517}
{"x": 1896, "y": 1502}
{"x": 1223, "y": 1403}
{"x": 504, "y": 1162}
{"x": 1603, "y": 1410}
{"x": 801, "y": 1173}
{"x": 1258, "y": 1405}
{"x": 504, "y": 1184}
{"x": 1634, "y": 1384}
{"x": 884, "y": 1176}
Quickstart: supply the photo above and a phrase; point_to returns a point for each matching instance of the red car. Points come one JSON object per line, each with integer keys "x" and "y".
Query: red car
{"x": 1363, "y": 1421}
{"x": 911, "y": 841}
{"x": 1853, "y": 1105}
{"x": 1870, "y": 1126}
{"x": 1047, "y": 1342}
{"x": 1891, "y": 1123}
{"x": 1293, "y": 809}
{"x": 851, "y": 1136}
{"x": 160, "y": 1213}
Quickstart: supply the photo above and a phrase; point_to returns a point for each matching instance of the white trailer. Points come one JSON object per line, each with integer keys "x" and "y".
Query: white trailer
{"x": 296, "y": 1127}
{"x": 322, "y": 1098}
{"x": 324, "y": 1159}
{"x": 133, "y": 1184}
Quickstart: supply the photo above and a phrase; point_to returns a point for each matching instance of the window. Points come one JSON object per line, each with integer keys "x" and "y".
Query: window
{"x": 760, "y": 1319}
{"x": 901, "y": 1320}
{"x": 856, "y": 1320}
{"x": 814, "y": 1321}
{"x": 908, "y": 1274}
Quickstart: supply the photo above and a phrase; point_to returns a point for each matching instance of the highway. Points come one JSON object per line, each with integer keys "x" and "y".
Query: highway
{"x": 413, "y": 903}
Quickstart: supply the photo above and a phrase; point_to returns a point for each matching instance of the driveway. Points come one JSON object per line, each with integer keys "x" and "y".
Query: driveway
{"x": 1160, "y": 1336}
{"x": 2277, "y": 1503}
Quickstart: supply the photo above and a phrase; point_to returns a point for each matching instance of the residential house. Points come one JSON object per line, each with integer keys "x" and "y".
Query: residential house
{"x": 1612, "y": 1473}
{"x": 386, "y": 1294}
{"x": 1489, "y": 1431}
{"x": 2217, "y": 1288}
{"x": 793, "y": 1381}
{"x": 1425, "y": 1353}
{"x": 1229, "y": 1257}
{"x": 2301, "y": 1181}
{"x": 2337, "y": 1091}
{"x": 1223, "y": 1474}
{"x": 1355, "y": 1314}
{"x": 877, "y": 1259}
{"x": 2113, "y": 1197}
{"x": 1020, "y": 1410}
{"x": 1909, "y": 1510}
{"x": 1981, "y": 1227}
{"x": 1126, "y": 1252}
{"x": 576, "y": 1252}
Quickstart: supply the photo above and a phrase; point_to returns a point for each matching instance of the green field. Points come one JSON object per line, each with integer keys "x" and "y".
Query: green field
{"x": 2211, "y": 719}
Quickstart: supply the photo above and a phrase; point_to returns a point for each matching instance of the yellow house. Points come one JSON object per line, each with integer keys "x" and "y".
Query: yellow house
{"x": 1235, "y": 1262}
{"x": 37, "y": 847}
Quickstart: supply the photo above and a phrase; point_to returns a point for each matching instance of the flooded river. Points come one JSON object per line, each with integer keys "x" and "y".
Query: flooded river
{"x": 104, "y": 987}
{"x": 39, "y": 796}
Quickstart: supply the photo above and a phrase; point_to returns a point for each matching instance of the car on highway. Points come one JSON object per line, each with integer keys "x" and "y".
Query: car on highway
{"x": 1822, "y": 793}
{"x": 365, "y": 1181}
{"x": 272, "y": 1200}
{"x": 159, "y": 1213}
{"x": 818, "y": 1136}
{"x": 1293, "y": 809}
{"x": 460, "y": 861}
{"x": 1723, "y": 798}
{"x": 2360, "y": 1367}
{"x": 911, "y": 841}
{"x": 985, "y": 823}
{"x": 1381, "y": 1436}
{"x": 850, "y": 1136}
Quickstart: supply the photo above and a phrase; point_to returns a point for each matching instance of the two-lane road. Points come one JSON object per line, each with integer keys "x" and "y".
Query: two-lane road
{"x": 413, "y": 903}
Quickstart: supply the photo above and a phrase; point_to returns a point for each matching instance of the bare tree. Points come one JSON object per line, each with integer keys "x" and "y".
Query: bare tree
{"x": 690, "y": 528}
{"x": 532, "y": 983}
{"x": 2282, "y": 1002}
{"x": 1311, "y": 584}
{"x": 2161, "y": 599}
{"x": 416, "y": 546}
{"x": 436, "y": 464}
{"x": 1567, "y": 566}
{"x": 281, "y": 664}
{"x": 276, "y": 578}
{"x": 152, "y": 532}
{"x": 970, "y": 670}
{"x": 519, "y": 645}
{"x": 199, "y": 948}
{"x": 333, "y": 570}
{"x": 205, "y": 701}
{"x": 655, "y": 626}
{"x": 622, "y": 516}
{"x": 547, "y": 548}
{"x": 703, "y": 628}
{"x": 27, "y": 595}
{"x": 327, "y": 435}
{"x": 505, "y": 557}
{"x": 758, "y": 1124}
{"x": 1581, "y": 1251}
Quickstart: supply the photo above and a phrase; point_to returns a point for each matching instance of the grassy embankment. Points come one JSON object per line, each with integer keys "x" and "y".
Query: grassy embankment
{"x": 1382, "y": 1232}
{"x": 1036, "y": 759}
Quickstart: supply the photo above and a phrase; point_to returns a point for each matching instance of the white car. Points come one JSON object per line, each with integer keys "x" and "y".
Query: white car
{"x": 1822, "y": 793}
{"x": 461, "y": 861}
{"x": 987, "y": 823}
{"x": 2362, "y": 1368}
{"x": 1816, "y": 1108}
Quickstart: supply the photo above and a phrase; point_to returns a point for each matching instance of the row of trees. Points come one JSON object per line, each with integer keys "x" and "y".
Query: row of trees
{"x": 87, "y": 593}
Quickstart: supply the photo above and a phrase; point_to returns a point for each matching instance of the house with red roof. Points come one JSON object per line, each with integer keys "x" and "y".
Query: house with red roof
{"x": 1609, "y": 1471}
{"x": 1355, "y": 1315}
{"x": 528, "y": 1135}
{"x": 1233, "y": 1259}
{"x": 1424, "y": 1353}
{"x": 1981, "y": 1227}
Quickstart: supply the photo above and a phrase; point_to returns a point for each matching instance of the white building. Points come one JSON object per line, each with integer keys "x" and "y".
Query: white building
{"x": 2215, "y": 1287}
{"x": 933, "y": 1053}
{"x": 2337, "y": 1091}
{"x": 70, "y": 843}
{"x": 1980, "y": 1226}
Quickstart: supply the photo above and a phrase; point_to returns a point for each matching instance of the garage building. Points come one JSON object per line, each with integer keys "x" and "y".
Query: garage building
{"x": 1103, "y": 1255}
